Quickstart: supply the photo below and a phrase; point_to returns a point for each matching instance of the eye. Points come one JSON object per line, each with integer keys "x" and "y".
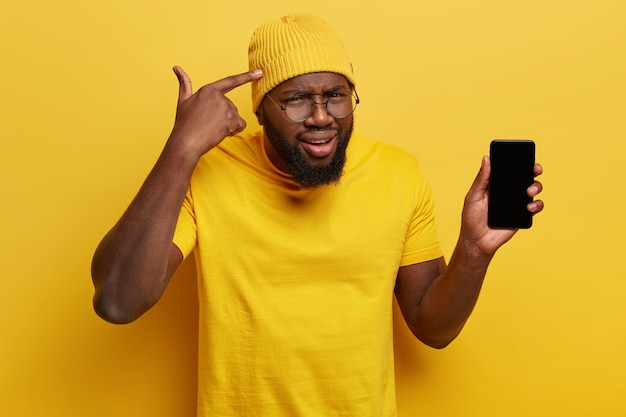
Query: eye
{"x": 339, "y": 94}
{"x": 297, "y": 99}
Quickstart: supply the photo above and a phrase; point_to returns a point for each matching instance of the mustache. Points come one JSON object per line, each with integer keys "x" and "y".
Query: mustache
{"x": 337, "y": 131}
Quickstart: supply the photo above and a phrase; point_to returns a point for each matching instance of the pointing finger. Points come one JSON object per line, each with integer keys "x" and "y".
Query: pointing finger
{"x": 226, "y": 84}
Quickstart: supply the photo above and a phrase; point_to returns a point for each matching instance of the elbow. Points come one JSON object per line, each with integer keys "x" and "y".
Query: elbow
{"x": 433, "y": 339}
{"x": 436, "y": 344}
{"x": 114, "y": 302}
{"x": 112, "y": 311}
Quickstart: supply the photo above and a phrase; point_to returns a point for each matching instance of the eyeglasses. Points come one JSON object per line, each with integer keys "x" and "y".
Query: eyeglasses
{"x": 338, "y": 104}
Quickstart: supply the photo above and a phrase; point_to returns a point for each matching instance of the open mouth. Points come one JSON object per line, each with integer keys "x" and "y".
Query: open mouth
{"x": 317, "y": 142}
{"x": 318, "y": 147}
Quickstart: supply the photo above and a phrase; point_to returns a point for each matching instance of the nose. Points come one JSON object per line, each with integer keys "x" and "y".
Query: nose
{"x": 320, "y": 117}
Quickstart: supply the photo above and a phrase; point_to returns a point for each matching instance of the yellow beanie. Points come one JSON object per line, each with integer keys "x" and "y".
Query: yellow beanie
{"x": 294, "y": 45}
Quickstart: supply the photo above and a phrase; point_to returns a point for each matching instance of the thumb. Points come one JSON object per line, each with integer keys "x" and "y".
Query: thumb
{"x": 184, "y": 90}
{"x": 481, "y": 182}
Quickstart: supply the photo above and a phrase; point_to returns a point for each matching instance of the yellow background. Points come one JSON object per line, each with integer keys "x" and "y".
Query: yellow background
{"x": 88, "y": 99}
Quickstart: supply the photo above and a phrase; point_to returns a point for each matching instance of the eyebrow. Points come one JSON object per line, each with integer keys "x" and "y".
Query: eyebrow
{"x": 296, "y": 91}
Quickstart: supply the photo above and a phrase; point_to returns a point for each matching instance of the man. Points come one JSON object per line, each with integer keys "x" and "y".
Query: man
{"x": 302, "y": 233}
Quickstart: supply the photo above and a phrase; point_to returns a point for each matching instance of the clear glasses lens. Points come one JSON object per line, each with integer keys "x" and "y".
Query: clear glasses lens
{"x": 339, "y": 106}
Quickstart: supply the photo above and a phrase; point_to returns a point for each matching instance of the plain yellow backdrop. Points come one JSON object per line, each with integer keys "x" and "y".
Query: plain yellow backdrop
{"x": 88, "y": 99}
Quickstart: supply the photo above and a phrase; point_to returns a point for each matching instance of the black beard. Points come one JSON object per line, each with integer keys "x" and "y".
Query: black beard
{"x": 304, "y": 173}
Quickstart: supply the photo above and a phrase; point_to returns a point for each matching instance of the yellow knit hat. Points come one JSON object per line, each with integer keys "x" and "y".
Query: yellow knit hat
{"x": 294, "y": 45}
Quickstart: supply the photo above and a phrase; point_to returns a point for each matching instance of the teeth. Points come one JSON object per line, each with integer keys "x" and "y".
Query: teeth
{"x": 318, "y": 142}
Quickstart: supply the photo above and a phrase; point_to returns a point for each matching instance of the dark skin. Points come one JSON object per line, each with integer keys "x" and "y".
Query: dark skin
{"x": 319, "y": 127}
{"x": 136, "y": 260}
{"x": 437, "y": 299}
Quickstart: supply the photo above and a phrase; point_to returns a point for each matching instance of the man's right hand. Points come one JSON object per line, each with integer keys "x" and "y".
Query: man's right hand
{"x": 134, "y": 262}
{"x": 206, "y": 117}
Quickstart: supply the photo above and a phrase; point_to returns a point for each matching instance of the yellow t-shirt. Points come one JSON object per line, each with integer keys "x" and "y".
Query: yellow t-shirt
{"x": 296, "y": 285}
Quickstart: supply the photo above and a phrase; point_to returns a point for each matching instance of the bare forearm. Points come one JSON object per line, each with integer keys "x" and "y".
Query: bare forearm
{"x": 130, "y": 266}
{"x": 134, "y": 262}
{"x": 437, "y": 301}
{"x": 451, "y": 297}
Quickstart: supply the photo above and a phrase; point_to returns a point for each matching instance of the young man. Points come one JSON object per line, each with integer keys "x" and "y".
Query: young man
{"x": 302, "y": 233}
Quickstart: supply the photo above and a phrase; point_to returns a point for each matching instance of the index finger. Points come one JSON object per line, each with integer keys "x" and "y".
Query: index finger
{"x": 226, "y": 84}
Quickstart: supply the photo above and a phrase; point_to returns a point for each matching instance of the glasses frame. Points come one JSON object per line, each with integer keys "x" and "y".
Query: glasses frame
{"x": 315, "y": 103}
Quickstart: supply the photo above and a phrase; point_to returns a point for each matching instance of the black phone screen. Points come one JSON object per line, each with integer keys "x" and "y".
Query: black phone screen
{"x": 512, "y": 163}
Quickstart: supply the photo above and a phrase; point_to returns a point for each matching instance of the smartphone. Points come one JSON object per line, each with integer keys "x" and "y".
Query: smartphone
{"x": 512, "y": 163}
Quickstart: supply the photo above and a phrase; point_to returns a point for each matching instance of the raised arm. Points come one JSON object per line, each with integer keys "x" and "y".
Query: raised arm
{"x": 436, "y": 300}
{"x": 134, "y": 262}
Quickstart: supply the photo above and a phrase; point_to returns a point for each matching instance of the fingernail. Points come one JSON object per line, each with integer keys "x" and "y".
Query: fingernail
{"x": 257, "y": 72}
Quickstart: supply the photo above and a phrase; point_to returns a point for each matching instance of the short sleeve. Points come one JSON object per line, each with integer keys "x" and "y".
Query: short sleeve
{"x": 185, "y": 236}
{"x": 421, "y": 242}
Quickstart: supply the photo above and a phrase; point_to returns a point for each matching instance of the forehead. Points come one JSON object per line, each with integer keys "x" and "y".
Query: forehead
{"x": 313, "y": 82}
